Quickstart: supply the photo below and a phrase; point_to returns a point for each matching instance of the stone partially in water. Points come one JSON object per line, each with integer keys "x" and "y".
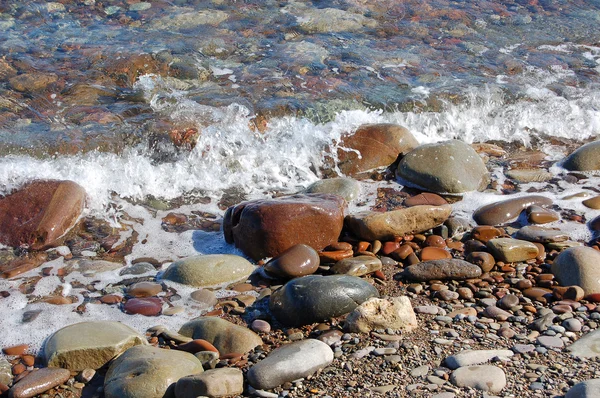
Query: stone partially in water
{"x": 40, "y": 213}
{"x": 446, "y": 167}
{"x": 268, "y": 227}
{"x": 578, "y": 266}
{"x": 378, "y": 145}
{"x": 148, "y": 372}
{"x": 209, "y": 270}
{"x": 542, "y": 235}
{"x": 585, "y": 158}
{"x": 347, "y": 188}
{"x": 448, "y": 269}
{"x": 502, "y": 212}
{"x": 298, "y": 260}
{"x": 290, "y": 362}
{"x": 372, "y": 226}
{"x": 227, "y": 337}
{"x": 317, "y": 298}
{"x": 89, "y": 344}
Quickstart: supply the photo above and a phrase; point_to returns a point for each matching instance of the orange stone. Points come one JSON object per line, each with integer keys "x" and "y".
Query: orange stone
{"x": 16, "y": 349}
{"x": 435, "y": 241}
{"x": 197, "y": 345}
{"x": 434, "y": 253}
{"x": 111, "y": 299}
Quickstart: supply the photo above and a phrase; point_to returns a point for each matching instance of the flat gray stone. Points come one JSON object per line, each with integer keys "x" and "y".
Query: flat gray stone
{"x": 89, "y": 344}
{"x": 222, "y": 382}
{"x": 446, "y": 167}
{"x": 148, "y": 372}
{"x": 542, "y": 235}
{"x": 551, "y": 341}
{"x": 227, "y": 337}
{"x": 475, "y": 357}
{"x": 290, "y": 362}
{"x": 209, "y": 270}
{"x": 585, "y": 389}
{"x": 447, "y": 269}
{"x": 481, "y": 377}
{"x": 587, "y": 347}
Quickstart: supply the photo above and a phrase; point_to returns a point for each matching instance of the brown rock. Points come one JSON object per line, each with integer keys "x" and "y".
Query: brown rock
{"x": 148, "y": 306}
{"x": 435, "y": 241}
{"x": 498, "y": 213}
{"x": 22, "y": 264}
{"x": 111, "y": 299}
{"x": 537, "y": 293}
{"x": 448, "y": 269}
{"x": 298, "y": 260}
{"x": 484, "y": 233}
{"x": 15, "y": 350}
{"x": 144, "y": 289}
{"x": 197, "y": 345}
{"x": 378, "y": 144}
{"x": 38, "y": 382}
{"x": 592, "y": 203}
{"x": 425, "y": 198}
{"x": 539, "y": 215}
{"x": 434, "y": 253}
{"x": 40, "y": 213}
{"x": 484, "y": 260}
{"x": 268, "y": 227}
{"x": 30, "y": 82}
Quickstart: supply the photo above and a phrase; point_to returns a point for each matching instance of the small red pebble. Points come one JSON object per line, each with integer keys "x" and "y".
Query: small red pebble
{"x": 18, "y": 369}
{"x": 379, "y": 275}
{"x": 16, "y": 349}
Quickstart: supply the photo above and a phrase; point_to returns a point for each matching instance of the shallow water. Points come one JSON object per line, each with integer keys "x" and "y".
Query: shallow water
{"x": 267, "y": 89}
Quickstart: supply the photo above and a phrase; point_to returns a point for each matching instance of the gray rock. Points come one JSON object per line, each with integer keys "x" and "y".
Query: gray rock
{"x": 529, "y": 175}
{"x": 347, "y": 188}
{"x": 512, "y": 250}
{"x": 396, "y": 314}
{"x": 370, "y": 225}
{"x": 148, "y": 372}
{"x": 585, "y": 389}
{"x": 209, "y": 270}
{"x": 542, "y": 235}
{"x": 447, "y": 269}
{"x": 475, "y": 357}
{"x": 316, "y": 298}
{"x": 578, "y": 266}
{"x": 222, "y": 382}
{"x": 227, "y": 337}
{"x": 587, "y": 347}
{"x": 550, "y": 341}
{"x": 481, "y": 377}
{"x": 328, "y": 20}
{"x": 357, "y": 266}
{"x": 290, "y": 362}
{"x": 420, "y": 371}
{"x": 445, "y": 167}
{"x": 585, "y": 158}
{"x": 505, "y": 211}
{"x": 5, "y": 371}
{"x": 89, "y": 344}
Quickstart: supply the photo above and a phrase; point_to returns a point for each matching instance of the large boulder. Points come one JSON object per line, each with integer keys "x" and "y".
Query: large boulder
{"x": 317, "y": 298}
{"x": 268, "y": 227}
{"x": 148, "y": 372}
{"x": 585, "y": 158}
{"x": 370, "y": 225}
{"x": 89, "y": 345}
{"x": 447, "y": 167}
{"x": 227, "y": 337}
{"x": 40, "y": 213}
{"x": 373, "y": 146}
{"x": 209, "y": 270}
{"x": 578, "y": 266}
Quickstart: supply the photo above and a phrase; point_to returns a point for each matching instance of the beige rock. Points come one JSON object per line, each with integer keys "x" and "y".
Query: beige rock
{"x": 578, "y": 266}
{"x": 395, "y": 313}
{"x": 385, "y": 226}
{"x": 209, "y": 270}
{"x": 512, "y": 250}
{"x": 357, "y": 266}
{"x": 222, "y": 382}
{"x": 227, "y": 337}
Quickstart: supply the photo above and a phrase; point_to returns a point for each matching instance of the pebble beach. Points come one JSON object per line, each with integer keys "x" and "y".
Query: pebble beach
{"x": 292, "y": 199}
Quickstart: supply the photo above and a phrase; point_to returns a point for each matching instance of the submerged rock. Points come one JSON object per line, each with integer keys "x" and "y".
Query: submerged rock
{"x": 40, "y": 213}
{"x": 317, "y": 298}
{"x": 347, "y": 188}
{"x": 268, "y": 227}
{"x": 446, "y": 167}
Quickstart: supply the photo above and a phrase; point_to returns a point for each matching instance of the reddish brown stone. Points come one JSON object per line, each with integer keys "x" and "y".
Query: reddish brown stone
{"x": 197, "y": 345}
{"x": 28, "y": 360}
{"x": 537, "y": 293}
{"x": 389, "y": 247}
{"x": 266, "y": 228}
{"x": 504, "y": 211}
{"x": 541, "y": 215}
{"x": 23, "y": 264}
{"x": 18, "y": 369}
{"x": 334, "y": 257}
{"x": 57, "y": 300}
{"x": 148, "y": 306}
{"x": 38, "y": 382}
{"x": 485, "y": 232}
{"x": 484, "y": 260}
{"x": 144, "y": 289}
{"x": 3, "y": 388}
{"x": 40, "y": 213}
{"x": 402, "y": 252}
{"x": 378, "y": 144}
{"x": 425, "y": 198}
{"x": 111, "y": 299}
{"x": 435, "y": 241}
{"x": 16, "y": 349}
{"x": 434, "y": 253}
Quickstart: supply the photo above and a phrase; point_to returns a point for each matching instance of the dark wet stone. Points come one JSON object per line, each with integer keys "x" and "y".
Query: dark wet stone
{"x": 316, "y": 298}
{"x": 484, "y": 260}
{"x": 448, "y": 269}
{"x": 148, "y": 306}
{"x": 378, "y": 144}
{"x": 585, "y": 158}
{"x": 266, "y": 228}
{"x": 498, "y": 213}
{"x": 38, "y": 382}
{"x": 40, "y": 213}
{"x": 539, "y": 215}
{"x": 298, "y": 260}
{"x": 541, "y": 235}
{"x": 445, "y": 167}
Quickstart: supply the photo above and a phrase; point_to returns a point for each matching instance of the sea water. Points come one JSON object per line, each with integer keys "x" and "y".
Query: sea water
{"x": 524, "y": 72}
